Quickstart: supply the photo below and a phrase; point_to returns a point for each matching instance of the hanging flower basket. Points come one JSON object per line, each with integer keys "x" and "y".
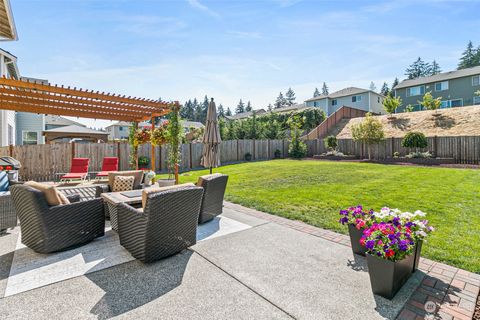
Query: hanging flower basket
{"x": 141, "y": 136}
{"x": 160, "y": 135}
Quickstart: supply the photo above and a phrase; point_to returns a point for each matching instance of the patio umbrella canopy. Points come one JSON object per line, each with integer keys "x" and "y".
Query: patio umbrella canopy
{"x": 211, "y": 139}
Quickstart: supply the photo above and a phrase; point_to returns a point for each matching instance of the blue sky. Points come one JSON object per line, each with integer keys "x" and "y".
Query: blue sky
{"x": 235, "y": 49}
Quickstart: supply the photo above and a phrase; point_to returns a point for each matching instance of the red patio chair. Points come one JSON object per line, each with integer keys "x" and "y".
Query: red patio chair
{"x": 109, "y": 164}
{"x": 78, "y": 170}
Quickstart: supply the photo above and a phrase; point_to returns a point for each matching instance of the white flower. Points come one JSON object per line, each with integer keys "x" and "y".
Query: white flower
{"x": 421, "y": 233}
{"x": 406, "y": 215}
{"x": 420, "y": 213}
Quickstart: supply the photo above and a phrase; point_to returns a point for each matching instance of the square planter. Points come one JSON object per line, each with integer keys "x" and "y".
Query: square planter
{"x": 355, "y": 236}
{"x": 387, "y": 277}
{"x": 417, "y": 253}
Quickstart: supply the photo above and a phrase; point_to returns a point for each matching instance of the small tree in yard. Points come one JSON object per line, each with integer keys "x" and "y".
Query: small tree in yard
{"x": 390, "y": 104}
{"x": 331, "y": 143}
{"x": 429, "y": 103}
{"x": 297, "y": 148}
{"x": 414, "y": 140}
{"x": 369, "y": 131}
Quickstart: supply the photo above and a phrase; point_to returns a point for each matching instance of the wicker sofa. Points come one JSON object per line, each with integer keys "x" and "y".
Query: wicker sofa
{"x": 214, "y": 186}
{"x": 47, "y": 229}
{"x": 8, "y": 216}
{"x": 165, "y": 226}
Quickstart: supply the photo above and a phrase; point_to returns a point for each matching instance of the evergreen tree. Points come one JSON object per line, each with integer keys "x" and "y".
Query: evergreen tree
{"x": 187, "y": 111}
{"x": 280, "y": 101}
{"x": 228, "y": 112}
{"x": 248, "y": 108}
{"x": 469, "y": 57}
{"x": 385, "y": 91}
{"x": 240, "y": 107}
{"x": 324, "y": 89}
{"x": 197, "y": 110}
{"x": 316, "y": 93}
{"x": 418, "y": 69}
{"x": 435, "y": 69}
{"x": 269, "y": 107}
{"x": 221, "y": 110}
{"x": 203, "y": 115}
{"x": 394, "y": 84}
{"x": 290, "y": 96}
{"x": 372, "y": 86}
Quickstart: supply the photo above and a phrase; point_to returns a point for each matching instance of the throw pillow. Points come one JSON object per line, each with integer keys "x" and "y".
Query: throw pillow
{"x": 148, "y": 191}
{"x": 63, "y": 198}
{"x": 123, "y": 183}
{"x": 4, "y": 182}
{"x": 49, "y": 191}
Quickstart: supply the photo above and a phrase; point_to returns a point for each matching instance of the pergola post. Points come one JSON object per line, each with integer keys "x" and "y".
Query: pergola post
{"x": 153, "y": 148}
{"x": 135, "y": 148}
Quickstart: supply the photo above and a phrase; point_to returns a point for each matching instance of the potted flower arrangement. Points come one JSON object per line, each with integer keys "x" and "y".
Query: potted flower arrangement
{"x": 143, "y": 162}
{"x": 141, "y": 136}
{"x": 390, "y": 256}
{"x": 357, "y": 220}
{"x": 415, "y": 222}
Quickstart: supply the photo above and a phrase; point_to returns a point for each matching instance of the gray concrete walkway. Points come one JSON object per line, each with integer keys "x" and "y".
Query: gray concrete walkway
{"x": 268, "y": 271}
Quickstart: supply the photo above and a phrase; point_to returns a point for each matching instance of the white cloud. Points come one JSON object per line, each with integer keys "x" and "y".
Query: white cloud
{"x": 197, "y": 5}
{"x": 245, "y": 34}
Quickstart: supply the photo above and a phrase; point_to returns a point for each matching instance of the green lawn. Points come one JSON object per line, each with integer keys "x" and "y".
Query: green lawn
{"x": 314, "y": 192}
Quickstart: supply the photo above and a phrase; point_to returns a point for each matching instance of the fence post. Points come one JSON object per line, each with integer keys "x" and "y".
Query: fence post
{"x": 73, "y": 150}
{"x": 190, "y": 154}
{"x": 393, "y": 147}
{"x": 435, "y": 146}
{"x": 254, "y": 156}
{"x": 238, "y": 159}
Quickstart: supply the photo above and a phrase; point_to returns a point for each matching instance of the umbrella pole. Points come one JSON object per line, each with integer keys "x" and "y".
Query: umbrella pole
{"x": 210, "y": 170}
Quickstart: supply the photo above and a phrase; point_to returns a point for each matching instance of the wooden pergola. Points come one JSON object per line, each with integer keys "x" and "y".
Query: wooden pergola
{"x": 25, "y": 96}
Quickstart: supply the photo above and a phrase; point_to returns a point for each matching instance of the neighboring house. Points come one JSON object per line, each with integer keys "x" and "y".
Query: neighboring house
{"x": 457, "y": 89}
{"x": 118, "y": 130}
{"x": 74, "y": 133}
{"x": 293, "y": 107}
{"x": 192, "y": 124}
{"x": 8, "y": 69}
{"x": 244, "y": 115}
{"x": 352, "y": 97}
{"x": 8, "y": 32}
{"x": 52, "y": 122}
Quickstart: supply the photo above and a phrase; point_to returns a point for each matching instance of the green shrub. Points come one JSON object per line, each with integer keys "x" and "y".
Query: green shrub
{"x": 414, "y": 140}
{"x": 369, "y": 131}
{"x": 331, "y": 142}
{"x": 297, "y": 148}
{"x": 277, "y": 154}
{"x": 390, "y": 104}
{"x": 143, "y": 161}
{"x": 248, "y": 156}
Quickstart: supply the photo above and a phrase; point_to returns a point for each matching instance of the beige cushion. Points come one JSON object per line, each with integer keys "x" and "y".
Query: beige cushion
{"x": 137, "y": 174}
{"x": 207, "y": 177}
{"x": 63, "y": 198}
{"x": 151, "y": 190}
{"x": 50, "y": 192}
{"x": 123, "y": 183}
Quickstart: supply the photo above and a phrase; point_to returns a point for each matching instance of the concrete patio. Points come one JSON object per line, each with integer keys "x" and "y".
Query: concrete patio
{"x": 271, "y": 268}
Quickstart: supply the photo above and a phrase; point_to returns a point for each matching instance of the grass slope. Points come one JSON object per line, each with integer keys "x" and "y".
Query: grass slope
{"x": 314, "y": 192}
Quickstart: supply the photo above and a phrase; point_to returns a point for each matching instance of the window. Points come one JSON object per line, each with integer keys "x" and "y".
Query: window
{"x": 415, "y": 91}
{"x": 441, "y": 86}
{"x": 334, "y": 102}
{"x": 356, "y": 98}
{"x": 121, "y": 129}
{"x": 476, "y": 100}
{"x": 315, "y": 103}
{"x": 30, "y": 137}
{"x": 456, "y": 103}
{"x": 476, "y": 80}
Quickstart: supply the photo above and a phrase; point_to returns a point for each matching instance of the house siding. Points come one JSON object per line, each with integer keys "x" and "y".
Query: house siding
{"x": 30, "y": 122}
{"x": 460, "y": 88}
{"x": 7, "y": 117}
{"x": 114, "y": 132}
{"x": 370, "y": 101}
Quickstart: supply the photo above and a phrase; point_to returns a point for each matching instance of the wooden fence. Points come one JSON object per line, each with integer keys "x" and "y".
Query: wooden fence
{"x": 464, "y": 149}
{"x": 43, "y": 162}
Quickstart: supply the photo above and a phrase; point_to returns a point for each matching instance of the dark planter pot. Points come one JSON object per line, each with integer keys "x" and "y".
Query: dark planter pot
{"x": 417, "y": 253}
{"x": 387, "y": 277}
{"x": 355, "y": 236}
{"x": 248, "y": 157}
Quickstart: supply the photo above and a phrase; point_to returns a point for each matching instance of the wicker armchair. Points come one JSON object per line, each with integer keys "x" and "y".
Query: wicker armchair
{"x": 214, "y": 186}
{"x": 8, "y": 216}
{"x": 47, "y": 229}
{"x": 166, "y": 226}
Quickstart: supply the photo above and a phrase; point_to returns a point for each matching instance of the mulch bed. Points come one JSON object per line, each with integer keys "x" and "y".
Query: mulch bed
{"x": 450, "y": 165}
{"x": 476, "y": 315}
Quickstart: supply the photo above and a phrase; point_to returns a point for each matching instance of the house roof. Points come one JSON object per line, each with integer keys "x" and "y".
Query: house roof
{"x": 244, "y": 115}
{"x": 293, "y": 107}
{"x": 439, "y": 77}
{"x": 75, "y": 129}
{"x": 60, "y": 121}
{"x": 192, "y": 124}
{"x": 7, "y": 24}
{"x": 11, "y": 62}
{"x": 342, "y": 93}
{"x": 120, "y": 123}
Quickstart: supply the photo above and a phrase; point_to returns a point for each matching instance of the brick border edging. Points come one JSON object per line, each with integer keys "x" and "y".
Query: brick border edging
{"x": 453, "y": 290}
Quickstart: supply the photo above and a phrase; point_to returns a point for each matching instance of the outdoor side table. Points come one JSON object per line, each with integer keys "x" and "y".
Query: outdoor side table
{"x": 114, "y": 199}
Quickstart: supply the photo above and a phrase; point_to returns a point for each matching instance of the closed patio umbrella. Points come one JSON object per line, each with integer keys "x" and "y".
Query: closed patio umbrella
{"x": 211, "y": 139}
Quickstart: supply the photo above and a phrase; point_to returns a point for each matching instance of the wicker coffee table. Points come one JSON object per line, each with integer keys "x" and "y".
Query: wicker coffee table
{"x": 113, "y": 199}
